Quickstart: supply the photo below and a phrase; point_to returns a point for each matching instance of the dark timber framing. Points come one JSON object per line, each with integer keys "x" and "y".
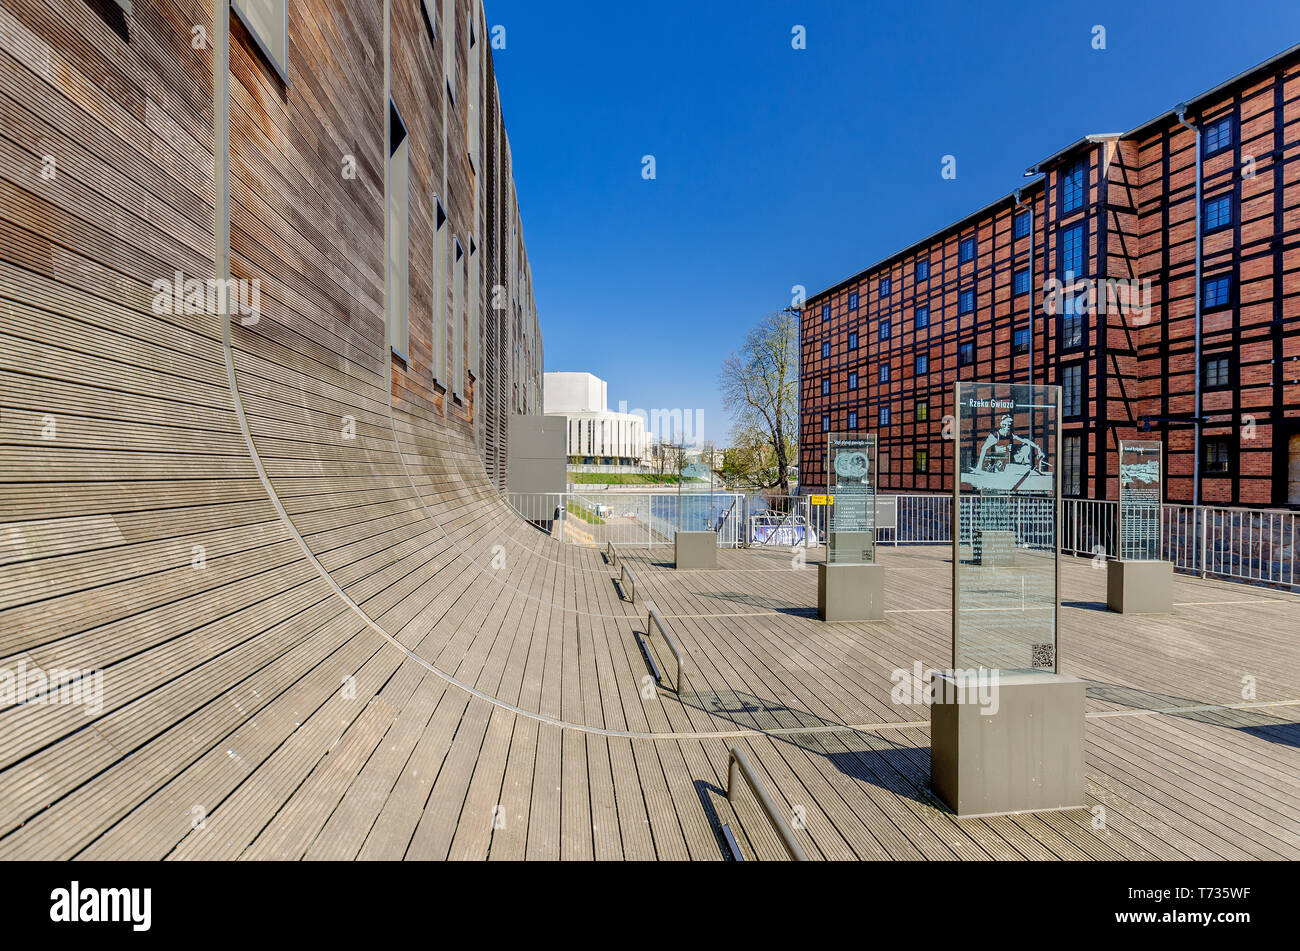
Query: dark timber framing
{"x": 1137, "y": 214}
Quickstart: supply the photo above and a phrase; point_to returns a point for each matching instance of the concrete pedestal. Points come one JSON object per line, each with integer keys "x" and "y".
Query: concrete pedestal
{"x": 694, "y": 550}
{"x": 851, "y": 592}
{"x": 1025, "y": 757}
{"x": 1140, "y": 587}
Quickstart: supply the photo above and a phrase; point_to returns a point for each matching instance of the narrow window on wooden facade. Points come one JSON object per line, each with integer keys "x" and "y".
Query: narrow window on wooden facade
{"x": 441, "y": 253}
{"x": 115, "y": 14}
{"x": 449, "y": 46}
{"x": 268, "y": 23}
{"x": 428, "y": 21}
{"x": 475, "y": 309}
{"x": 458, "y": 318}
{"x": 398, "y": 251}
{"x": 472, "y": 129}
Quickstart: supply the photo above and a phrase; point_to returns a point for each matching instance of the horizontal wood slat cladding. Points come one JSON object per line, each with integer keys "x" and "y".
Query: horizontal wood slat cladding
{"x": 1139, "y": 214}
{"x": 248, "y": 578}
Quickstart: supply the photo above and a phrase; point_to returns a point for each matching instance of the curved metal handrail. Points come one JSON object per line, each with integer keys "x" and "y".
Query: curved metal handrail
{"x": 738, "y": 762}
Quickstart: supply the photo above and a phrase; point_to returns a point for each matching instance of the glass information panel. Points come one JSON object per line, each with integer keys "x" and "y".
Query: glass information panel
{"x": 851, "y": 480}
{"x": 1005, "y": 515}
{"x": 695, "y": 502}
{"x": 1140, "y": 500}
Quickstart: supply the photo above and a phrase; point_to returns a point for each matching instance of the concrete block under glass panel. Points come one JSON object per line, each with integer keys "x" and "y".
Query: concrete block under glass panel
{"x": 1140, "y": 587}
{"x": 851, "y": 592}
{"x": 1004, "y": 743}
{"x": 693, "y": 551}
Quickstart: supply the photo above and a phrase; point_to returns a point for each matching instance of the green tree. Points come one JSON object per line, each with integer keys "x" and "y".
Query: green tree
{"x": 760, "y": 389}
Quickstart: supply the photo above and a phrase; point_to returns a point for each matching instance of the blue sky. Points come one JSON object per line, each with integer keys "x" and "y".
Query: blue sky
{"x": 778, "y": 167}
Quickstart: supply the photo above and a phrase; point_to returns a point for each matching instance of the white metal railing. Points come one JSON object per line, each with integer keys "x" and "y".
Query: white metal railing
{"x": 1254, "y": 545}
{"x": 630, "y": 519}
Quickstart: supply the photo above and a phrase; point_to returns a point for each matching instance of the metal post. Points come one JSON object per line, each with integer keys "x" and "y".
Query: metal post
{"x": 1204, "y": 542}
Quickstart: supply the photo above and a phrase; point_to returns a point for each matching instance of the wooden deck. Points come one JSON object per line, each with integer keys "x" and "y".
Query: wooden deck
{"x": 507, "y": 715}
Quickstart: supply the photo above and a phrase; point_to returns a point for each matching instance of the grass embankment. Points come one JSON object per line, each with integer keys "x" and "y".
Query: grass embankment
{"x": 585, "y": 513}
{"x": 625, "y": 478}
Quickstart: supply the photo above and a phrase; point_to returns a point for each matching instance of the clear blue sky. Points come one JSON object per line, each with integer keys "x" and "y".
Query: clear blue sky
{"x": 779, "y": 167}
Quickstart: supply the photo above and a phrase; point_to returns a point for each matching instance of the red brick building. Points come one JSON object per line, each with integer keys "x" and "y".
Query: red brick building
{"x": 1099, "y": 245}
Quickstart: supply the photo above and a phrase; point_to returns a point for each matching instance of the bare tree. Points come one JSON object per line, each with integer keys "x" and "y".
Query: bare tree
{"x": 760, "y": 387}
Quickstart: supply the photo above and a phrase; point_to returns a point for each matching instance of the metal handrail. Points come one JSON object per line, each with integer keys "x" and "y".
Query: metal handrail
{"x": 627, "y": 581}
{"x": 738, "y": 761}
{"x": 611, "y": 553}
{"x": 654, "y": 620}
{"x": 727, "y": 514}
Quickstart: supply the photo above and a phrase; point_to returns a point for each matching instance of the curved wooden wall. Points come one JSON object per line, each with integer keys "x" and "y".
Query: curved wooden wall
{"x": 250, "y": 584}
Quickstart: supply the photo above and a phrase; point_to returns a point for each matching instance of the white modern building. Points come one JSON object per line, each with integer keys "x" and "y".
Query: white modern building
{"x": 598, "y": 440}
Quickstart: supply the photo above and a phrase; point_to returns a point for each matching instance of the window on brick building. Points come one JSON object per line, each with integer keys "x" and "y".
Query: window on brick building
{"x": 922, "y": 364}
{"x": 826, "y": 351}
{"x": 1216, "y": 292}
{"x": 1023, "y": 221}
{"x": 965, "y": 354}
{"x": 921, "y": 460}
{"x": 853, "y": 340}
{"x": 1020, "y": 341}
{"x": 826, "y": 424}
{"x": 1072, "y": 390}
{"x": 1020, "y": 282}
{"x": 853, "y": 419}
{"x": 1070, "y": 251}
{"x": 965, "y": 302}
{"x": 826, "y": 311}
{"x": 1072, "y": 187}
{"x": 1073, "y": 322}
{"x": 826, "y": 387}
{"x": 883, "y": 373}
{"x": 923, "y": 270}
{"x": 922, "y": 412}
{"x": 1072, "y": 465}
{"x": 1216, "y": 455}
{"x": 967, "y": 251}
{"x": 922, "y": 317}
{"x": 1217, "y": 136}
{"x": 883, "y": 416}
{"x": 1218, "y": 213}
{"x": 886, "y": 286}
{"x": 853, "y": 301}
{"x": 885, "y": 329}
{"x": 853, "y": 380}
{"x": 1217, "y": 373}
